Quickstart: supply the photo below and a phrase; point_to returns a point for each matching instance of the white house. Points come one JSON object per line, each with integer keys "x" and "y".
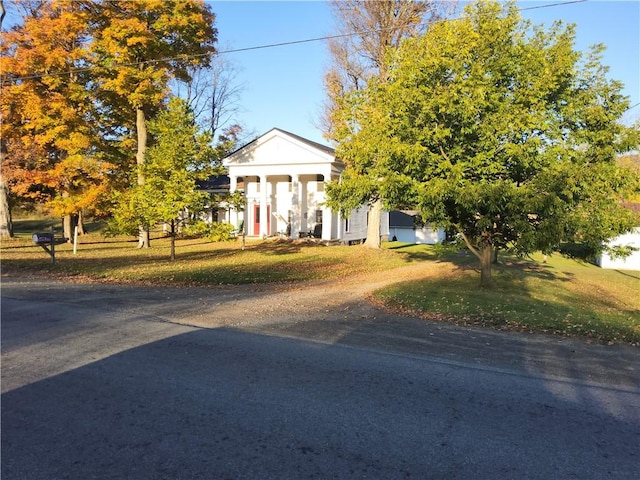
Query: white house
{"x": 282, "y": 176}
{"x": 406, "y": 226}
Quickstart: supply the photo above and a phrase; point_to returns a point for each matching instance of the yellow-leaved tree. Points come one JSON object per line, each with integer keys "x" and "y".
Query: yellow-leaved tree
{"x": 138, "y": 47}
{"x": 50, "y": 137}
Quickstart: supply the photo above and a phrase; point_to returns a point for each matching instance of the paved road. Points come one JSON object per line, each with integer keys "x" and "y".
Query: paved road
{"x": 141, "y": 383}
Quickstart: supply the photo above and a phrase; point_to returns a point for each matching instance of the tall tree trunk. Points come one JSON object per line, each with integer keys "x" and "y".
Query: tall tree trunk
{"x": 486, "y": 259}
{"x": 67, "y": 227}
{"x": 81, "y": 230}
{"x": 484, "y": 253}
{"x": 3, "y": 12}
{"x": 6, "y": 224}
{"x": 144, "y": 240}
{"x": 373, "y": 225}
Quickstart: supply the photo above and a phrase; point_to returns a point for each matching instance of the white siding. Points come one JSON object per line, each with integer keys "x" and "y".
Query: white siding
{"x": 425, "y": 235}
{"x": 632, "y": 262}
{"x": 357, "y": 226}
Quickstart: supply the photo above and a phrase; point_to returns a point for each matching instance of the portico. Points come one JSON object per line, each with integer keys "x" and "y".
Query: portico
{"x": 283, "y": 177}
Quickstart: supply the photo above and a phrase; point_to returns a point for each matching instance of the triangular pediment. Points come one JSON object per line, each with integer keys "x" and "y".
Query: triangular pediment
{"x": 277, "y": 147}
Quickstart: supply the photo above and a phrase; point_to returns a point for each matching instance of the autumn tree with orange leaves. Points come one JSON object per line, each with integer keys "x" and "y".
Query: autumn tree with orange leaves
{"x": 80, "y": 80}
{"x": 50, "y": 140}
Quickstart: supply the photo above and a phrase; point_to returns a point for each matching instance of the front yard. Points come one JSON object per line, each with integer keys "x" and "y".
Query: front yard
{"x": 561, "y": 297}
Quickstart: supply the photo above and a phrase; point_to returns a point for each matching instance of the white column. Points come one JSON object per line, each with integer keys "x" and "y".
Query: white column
{"x": 302, "y": 206}
{"x": 233, "y": 213}
{"x": 263, "y": 206}
{"x": 295, "y": 206}
{"x": 327, "y": 221}
{"x": 327, "y": 214}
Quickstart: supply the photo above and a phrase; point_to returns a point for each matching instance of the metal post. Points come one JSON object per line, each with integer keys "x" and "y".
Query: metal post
{"x": 75, "y": 240}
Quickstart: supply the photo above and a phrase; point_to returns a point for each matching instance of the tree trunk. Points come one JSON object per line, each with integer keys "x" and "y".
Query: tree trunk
{"x": 144, "y": 240}
{"x": 495, "y": 256}
{"x": 483, "y": 253}
{"x": 80, "y": 224}
{"x": 6, "y": 224}
{"x": 373, "y": 225}
{"x": 67, "y": 228}
{"x": 173, "y": 240}
{"x": 485, "y": 266}
{"x": 3, "y": 12}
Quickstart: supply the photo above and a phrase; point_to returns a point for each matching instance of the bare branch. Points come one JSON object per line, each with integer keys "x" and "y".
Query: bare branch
{"x": 370, "y": 29}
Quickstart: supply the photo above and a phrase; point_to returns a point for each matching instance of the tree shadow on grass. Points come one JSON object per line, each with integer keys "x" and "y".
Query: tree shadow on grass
{"x": 527, "y": 295}
{"x": 628, "y": 273}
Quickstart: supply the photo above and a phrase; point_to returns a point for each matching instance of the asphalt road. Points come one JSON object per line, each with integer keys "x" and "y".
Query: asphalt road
{"x": 104, "y": 382}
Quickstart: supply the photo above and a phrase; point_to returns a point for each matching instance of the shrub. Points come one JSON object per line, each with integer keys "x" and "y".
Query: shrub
{"x": 216, "y": 232}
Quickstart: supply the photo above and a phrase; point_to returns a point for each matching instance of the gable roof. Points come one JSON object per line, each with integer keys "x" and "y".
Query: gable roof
{"x": 278, "y": 152}
{"x": 319, "y": 146}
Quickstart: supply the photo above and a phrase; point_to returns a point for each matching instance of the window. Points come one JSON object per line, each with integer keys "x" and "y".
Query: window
{"x": 346, "y": 225}
{"x": 320, "y": 183}
{"x": 318, "y": 216}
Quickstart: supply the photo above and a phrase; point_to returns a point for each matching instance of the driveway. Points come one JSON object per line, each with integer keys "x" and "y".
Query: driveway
{"x": 297, "y": 381}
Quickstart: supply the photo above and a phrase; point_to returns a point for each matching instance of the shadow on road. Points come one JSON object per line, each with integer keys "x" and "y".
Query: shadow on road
{"x": 223, "y": 403}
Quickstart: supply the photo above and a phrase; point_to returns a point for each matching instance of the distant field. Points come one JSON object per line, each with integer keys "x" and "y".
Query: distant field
{"x": 561, "y": 297}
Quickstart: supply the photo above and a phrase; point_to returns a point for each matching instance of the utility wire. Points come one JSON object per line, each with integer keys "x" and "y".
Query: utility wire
{"x": 259, "y": 47}
{"x": 632, "y": 107}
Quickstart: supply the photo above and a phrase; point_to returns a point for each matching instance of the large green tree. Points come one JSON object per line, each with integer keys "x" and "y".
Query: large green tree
{"x": 496, "y": 129}
{"x": 178, "y": 157}
{"x": 366, "y": 31}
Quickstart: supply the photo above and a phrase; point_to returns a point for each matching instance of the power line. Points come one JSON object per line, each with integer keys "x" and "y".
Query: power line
{"x": 258, "y": 47}
{"x": 331, "y": 37}
{"x": 631, "y": 107}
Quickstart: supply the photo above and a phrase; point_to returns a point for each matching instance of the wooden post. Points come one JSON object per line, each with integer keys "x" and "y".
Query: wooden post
{"x": 53, "y": 247}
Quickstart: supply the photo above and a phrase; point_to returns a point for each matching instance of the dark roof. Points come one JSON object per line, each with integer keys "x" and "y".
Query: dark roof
{"x": 399, "y": 218}
{"x": 221, "y": 182}
{"x": 317, "y": 145}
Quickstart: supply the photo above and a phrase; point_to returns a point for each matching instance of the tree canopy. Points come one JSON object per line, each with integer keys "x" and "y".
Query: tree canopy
{"x": 80, "y": 80}
{"x": 367, "y": 30}
{"x": 493, "y": 128}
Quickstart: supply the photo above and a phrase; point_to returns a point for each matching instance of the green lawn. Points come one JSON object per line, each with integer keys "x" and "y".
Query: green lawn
{"x": 198, "y": 261}
{"x": 562, "y": 296}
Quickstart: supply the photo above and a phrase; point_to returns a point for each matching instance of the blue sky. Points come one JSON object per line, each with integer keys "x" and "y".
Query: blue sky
{"x": 283, "y": 86}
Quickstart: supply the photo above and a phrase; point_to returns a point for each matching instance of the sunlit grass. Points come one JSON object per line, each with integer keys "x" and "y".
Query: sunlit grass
{"x": 560, "y": 297}
{"x": 197, "y": 262}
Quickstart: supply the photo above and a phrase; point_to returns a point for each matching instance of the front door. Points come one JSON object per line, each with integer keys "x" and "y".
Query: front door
{"x": 256, "y": 219}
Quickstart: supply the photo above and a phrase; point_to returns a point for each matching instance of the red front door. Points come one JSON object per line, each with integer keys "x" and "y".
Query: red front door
{"x": 256, "y": 219}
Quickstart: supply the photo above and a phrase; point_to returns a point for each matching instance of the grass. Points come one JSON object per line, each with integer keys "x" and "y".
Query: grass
{"x": 198, "y": 262}
{"x": 561, "y": 297}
